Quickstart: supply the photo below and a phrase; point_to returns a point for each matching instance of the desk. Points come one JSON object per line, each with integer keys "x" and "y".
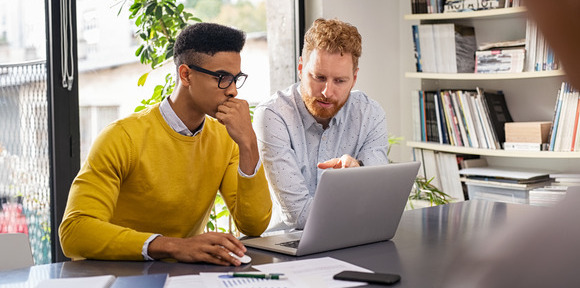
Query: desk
{"x": 419, "y": 252}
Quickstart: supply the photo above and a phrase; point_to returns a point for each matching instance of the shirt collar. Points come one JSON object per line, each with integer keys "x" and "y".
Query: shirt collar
{"x": 173, "y": 120}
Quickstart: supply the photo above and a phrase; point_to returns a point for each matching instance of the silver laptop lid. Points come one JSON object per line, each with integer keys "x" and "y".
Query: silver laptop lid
{"x": 357, "y": 206}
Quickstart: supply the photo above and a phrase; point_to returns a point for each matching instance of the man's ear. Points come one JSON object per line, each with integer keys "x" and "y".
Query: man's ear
{"x": 183, "y": 72}
{"x": 300, "y": 66}
{"x": 354, "y": 78}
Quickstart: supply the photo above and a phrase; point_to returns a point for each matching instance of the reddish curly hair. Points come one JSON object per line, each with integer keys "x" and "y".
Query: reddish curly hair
{"x": 333, "y": 36}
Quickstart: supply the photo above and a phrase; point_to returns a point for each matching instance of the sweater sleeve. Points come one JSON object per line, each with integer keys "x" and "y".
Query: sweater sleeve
{"x": 247, "y": 198}
{"x": 86, "y": 230}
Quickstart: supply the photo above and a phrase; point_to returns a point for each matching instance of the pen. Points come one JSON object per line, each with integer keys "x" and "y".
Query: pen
{"x": 274, "y": 276}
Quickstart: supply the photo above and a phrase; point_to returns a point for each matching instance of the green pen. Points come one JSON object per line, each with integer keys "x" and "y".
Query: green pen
{"x": 273, "y": 276}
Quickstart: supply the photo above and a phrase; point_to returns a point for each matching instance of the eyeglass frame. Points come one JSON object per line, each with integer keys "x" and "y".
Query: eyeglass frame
{"x": 220, "y": 76}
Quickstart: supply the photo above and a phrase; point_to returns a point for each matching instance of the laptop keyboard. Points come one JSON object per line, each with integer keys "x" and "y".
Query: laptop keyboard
{"x": 291, "y": 244}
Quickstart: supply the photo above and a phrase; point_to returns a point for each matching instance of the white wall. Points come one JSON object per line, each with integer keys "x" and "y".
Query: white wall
{"x": 381, "y": 65}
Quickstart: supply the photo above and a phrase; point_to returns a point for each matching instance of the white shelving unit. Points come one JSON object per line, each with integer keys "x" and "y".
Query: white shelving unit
{"x": 531, "y": 96}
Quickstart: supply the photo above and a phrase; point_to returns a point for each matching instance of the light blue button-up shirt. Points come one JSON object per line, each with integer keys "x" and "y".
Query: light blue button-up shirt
{"x": 292, "y": 143}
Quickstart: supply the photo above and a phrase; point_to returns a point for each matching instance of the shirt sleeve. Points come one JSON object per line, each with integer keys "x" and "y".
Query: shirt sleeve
{"x": 282, "y": 168}
{"x": 145, "y": 250}
{"x": 86, "y": 230}
{"x": 376, "y": 143}
{"x": 247, "y": 198}
{"x": 258, "y": 165}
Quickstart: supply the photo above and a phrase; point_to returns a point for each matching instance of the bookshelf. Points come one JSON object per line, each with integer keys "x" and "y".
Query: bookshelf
{"x": 489, "y": 14}
{"x": 530, "y": 96}
{"x": 493, "y": 153}
{"x": 488, "y": 76}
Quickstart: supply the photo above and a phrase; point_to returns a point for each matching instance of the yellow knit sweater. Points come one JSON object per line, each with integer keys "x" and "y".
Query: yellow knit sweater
{"x": 141, "y": 178}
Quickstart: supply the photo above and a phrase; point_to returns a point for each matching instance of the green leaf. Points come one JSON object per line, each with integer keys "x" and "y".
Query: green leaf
{"x": 159, "y": 12}
{"x": 138, "y": 51}
{"x": 135, "y": 6}
{"x": 150, "y": 8}
{"x": 210, "y": 226}
{"x": 139, "y": 108}
{"x": 142, "y": 79}
{"x": 169, "y": 10}
{"x": 223, "y": 213}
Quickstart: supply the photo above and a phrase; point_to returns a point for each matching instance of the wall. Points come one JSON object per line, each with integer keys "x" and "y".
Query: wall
{"x": 381, "y": 65}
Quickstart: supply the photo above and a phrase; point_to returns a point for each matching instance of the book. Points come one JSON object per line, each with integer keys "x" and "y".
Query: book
{"x": 505, "y": 184}
{"x": 556, "y": 121}
{"x": 500, "y": 60}
{"x": 416, "y": 115}
{"x": 417, "y": 48}
{"x": 107, "y": 281}
{"x": 444, "y": 133}
{"x": 472, "y": 5}
{"x": 488, "y": 128}
{"x": 431, "y": 117}
{"x": 85, "y": 282}
{"x": 427, "y": 47}
{"x": 498, "y": 113}
{"x": 449, "y": 174}
{"x": 522, "y": 146}
{"x": 429, "y": 166}
{"x": 464, "y": 47}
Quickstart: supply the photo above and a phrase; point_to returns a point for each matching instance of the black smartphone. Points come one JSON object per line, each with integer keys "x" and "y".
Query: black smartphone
{"x": 369, "y": 277}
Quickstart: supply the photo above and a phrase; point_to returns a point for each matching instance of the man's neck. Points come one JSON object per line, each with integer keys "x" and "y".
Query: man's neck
{"x": 323, "y": 122}
{"x": 191, "y": 119}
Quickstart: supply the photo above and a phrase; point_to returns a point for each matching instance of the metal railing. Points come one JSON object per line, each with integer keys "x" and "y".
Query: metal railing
{"x": 24, "y": 155}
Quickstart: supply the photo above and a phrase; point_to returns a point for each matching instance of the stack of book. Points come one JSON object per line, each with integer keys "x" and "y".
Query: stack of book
{"x": 469, "y": 118}
{"x": 444, "y": 48}
{"x": 564, "y": 134}
{"x": 445, "y": 6}
{"x": 503, "y": 184}
{"x": 540, "y": 56}
{"x": 502, "y": 57}
{"x": 547, "y": 196}
{"x": 565, "y": 179}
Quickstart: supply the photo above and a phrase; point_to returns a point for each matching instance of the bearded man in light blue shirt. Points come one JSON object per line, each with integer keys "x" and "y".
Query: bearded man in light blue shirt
{"x": 318, "y": 123}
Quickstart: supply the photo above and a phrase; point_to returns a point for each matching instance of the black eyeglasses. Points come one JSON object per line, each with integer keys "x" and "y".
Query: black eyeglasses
{"x": 225, "y": 79}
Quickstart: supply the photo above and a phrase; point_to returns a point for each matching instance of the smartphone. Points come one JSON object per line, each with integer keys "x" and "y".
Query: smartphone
{"x": 369, "y": 277}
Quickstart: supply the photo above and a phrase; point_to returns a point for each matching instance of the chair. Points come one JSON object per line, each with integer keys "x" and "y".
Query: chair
{"x": 15, "y": 252}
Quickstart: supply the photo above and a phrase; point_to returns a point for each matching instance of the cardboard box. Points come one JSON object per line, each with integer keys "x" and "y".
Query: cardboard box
{"x": 528, "y": 132}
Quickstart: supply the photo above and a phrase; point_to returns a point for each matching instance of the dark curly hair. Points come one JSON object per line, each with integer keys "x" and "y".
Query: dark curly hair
{"x": 206, "y": 38}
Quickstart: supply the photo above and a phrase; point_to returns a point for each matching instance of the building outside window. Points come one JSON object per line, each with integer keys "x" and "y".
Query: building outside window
{"x": 108, "y": 74}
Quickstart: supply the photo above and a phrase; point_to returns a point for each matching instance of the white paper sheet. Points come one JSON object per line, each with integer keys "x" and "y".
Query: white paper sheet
{"x": 185, "y": 281}
{"x": 317, "y": 272}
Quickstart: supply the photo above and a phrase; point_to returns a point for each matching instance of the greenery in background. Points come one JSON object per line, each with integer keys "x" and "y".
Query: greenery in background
{"x": 160, "y": 21}
{"x": 158, "y": 25}
{"x": 422, "y": 188}
{"x": 242, "y": 14}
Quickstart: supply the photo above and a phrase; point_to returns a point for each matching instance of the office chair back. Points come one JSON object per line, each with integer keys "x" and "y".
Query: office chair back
{"x": 15, "y": 252}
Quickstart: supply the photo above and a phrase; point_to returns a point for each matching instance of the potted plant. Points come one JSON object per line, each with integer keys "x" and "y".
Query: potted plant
{"x": 423, "y": 193}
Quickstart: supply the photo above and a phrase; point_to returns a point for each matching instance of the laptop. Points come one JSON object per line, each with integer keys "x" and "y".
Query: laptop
{"x": 351, "y": 207}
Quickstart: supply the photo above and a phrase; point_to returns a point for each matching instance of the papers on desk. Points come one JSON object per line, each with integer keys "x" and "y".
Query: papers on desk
{"x": 316, "y": 272}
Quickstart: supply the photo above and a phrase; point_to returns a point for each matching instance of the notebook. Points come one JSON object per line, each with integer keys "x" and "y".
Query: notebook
{"x": 351, "y": 207}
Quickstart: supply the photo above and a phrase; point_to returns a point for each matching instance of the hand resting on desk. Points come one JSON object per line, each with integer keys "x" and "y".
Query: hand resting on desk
{"x": 211, "y": 247}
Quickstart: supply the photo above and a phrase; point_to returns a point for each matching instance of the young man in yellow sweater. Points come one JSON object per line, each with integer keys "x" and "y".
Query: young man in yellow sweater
{"x": 147, "y": 187}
